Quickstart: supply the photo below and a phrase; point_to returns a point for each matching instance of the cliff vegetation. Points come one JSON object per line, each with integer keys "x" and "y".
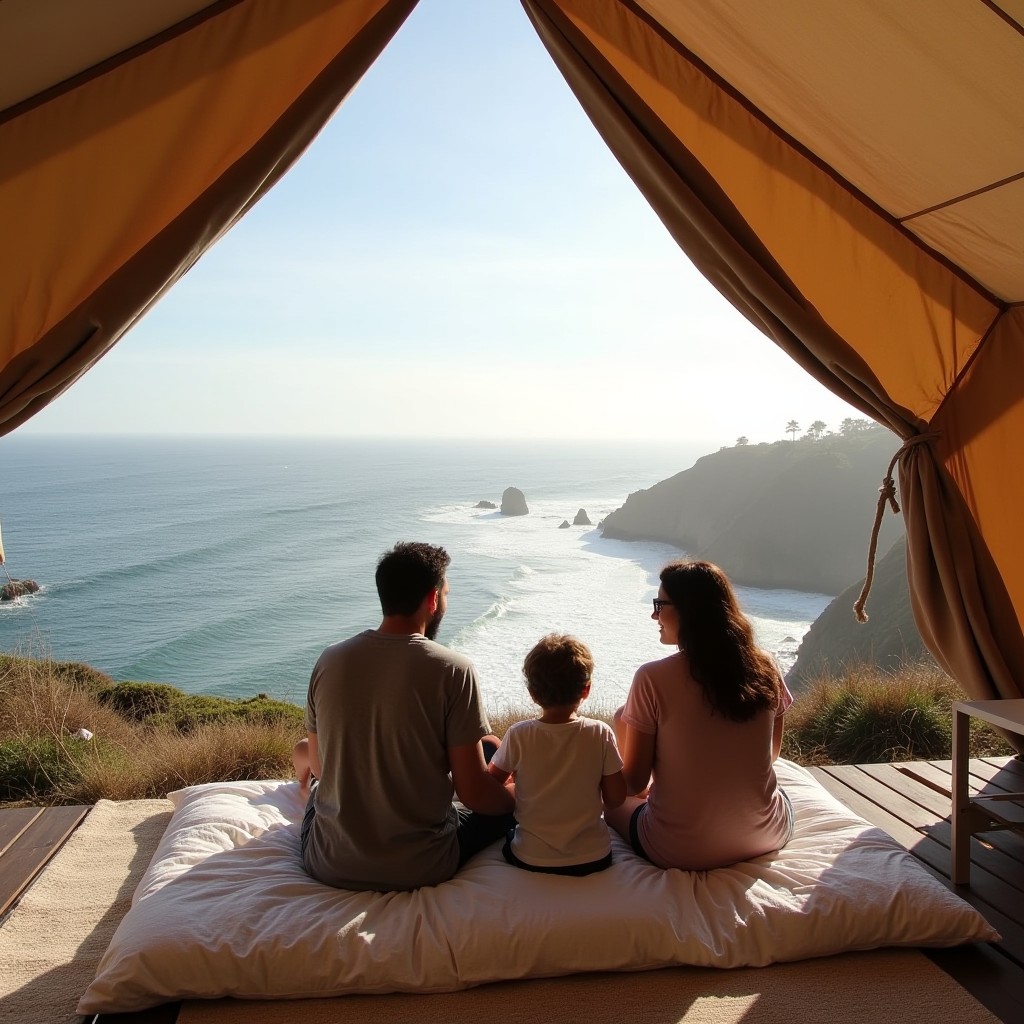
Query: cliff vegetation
{"x": 146, "y": 740}
{"x": 149, "y": 739}
{"x": 793, "y": 514}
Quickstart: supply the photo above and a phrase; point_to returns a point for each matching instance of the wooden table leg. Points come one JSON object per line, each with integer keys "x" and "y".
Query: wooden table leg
{"x": 961, "y": 846}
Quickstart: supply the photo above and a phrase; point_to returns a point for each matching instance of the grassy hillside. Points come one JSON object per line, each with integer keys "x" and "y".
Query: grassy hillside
{"x": 793, "y": 514}
{"x": 150, "y": 739}
{"x": 866, "y": 716}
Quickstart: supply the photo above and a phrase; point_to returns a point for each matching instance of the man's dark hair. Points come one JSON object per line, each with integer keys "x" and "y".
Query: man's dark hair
{"x": 407, "y": 573}
{"x": 557, "y": 670}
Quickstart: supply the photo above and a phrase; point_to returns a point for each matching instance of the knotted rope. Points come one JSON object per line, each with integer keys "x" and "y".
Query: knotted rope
{"x": 886, "y": 493}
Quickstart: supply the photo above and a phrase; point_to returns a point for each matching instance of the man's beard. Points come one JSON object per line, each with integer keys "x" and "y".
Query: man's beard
{"x": 434, "y": 625}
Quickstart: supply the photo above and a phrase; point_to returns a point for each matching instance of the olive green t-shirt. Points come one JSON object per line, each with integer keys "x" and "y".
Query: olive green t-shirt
{"x": 385, "y": 709}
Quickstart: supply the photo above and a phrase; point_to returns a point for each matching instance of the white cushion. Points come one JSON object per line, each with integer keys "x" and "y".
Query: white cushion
{"x": 226, "y": 909}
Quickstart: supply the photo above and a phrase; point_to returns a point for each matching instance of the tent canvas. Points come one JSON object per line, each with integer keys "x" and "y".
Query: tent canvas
{"x": 848, "y": 175}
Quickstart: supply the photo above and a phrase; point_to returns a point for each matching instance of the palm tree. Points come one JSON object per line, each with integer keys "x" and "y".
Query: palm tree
{"x": 854, "y": 426}
{"x": 817, "y": 428}
{"x": 792, "y": 427}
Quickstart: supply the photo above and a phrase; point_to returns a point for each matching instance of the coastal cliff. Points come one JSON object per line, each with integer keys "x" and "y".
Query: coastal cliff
{"x": 836, "y": 643}
{"x": 791, "y": 514}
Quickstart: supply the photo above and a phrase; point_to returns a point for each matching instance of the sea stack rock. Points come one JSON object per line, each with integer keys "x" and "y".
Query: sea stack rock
{"x": 582, "y": 519}
{"x": 17, "y": 588}
{"x": 485, "y": 504}
{"x": 564, "y": 525}
{"x": 513, "y": 502}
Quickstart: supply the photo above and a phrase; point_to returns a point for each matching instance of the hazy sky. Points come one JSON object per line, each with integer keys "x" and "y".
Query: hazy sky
{"x": 457, "y": 254}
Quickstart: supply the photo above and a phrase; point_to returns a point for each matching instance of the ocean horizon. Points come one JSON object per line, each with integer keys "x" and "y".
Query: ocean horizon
{"x": 224, "y": 565}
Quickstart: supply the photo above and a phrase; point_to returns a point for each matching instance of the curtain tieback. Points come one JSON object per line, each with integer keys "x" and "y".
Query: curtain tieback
{"x": 886, "y": 493}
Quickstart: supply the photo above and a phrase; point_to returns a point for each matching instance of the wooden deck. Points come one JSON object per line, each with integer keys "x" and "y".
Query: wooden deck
{"x": 29, "y": 837}
{"x": 910, "y": 801}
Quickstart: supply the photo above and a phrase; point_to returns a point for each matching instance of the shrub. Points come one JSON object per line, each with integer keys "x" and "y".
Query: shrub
{"x": 871, "y": 716}
{"x": 80, "y": 676}
{"x": 75, "y": 674}
{"x": 140, "y": 701}
{"x": 166, "y": 707}
{"x": 36, "y": 769}
{"x": 194, "y": 711}
{"x": 148, "y": 738}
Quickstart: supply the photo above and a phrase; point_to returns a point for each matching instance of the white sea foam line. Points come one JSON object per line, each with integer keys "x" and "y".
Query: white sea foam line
{"x": 602, "y": 600}
{"x": 595, "y": 588}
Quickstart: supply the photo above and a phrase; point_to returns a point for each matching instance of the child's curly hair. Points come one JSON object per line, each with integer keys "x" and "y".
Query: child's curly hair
{"x": 557, "y": 670}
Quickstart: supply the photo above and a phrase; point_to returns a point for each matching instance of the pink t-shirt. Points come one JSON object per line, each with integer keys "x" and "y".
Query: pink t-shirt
{"x": 714, "y": 799}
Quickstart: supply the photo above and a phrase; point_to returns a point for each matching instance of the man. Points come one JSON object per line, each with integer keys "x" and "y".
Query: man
{"x": 389, "y": 714}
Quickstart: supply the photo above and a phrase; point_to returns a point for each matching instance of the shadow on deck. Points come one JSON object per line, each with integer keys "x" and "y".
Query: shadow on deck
{"x": 911, "y": 801}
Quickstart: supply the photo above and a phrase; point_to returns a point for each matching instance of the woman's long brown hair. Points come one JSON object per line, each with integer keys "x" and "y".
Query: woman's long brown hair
{"x": 737, "y": 677}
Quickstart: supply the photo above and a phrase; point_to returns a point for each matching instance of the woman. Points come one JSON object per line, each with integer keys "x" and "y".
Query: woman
{"x": 706, "y": 724}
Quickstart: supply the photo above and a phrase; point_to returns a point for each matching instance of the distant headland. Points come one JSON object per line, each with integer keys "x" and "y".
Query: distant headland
{"x": 791, "y": 514}
{"x": 795, "y": 514}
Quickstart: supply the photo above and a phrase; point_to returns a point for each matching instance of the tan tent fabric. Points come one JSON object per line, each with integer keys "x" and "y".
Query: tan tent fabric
{"x": 850, "y": 176}
{"x": 754, "y": 131}
{"x": 113, "y": 184}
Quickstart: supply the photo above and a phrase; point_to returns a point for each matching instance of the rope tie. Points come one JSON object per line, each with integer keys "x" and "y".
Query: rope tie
{"x": 886, "y": 493}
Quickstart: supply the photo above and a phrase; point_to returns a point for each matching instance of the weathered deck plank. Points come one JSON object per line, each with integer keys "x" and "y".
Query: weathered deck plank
{"x": 14, "y": 822}
{"x": 27, "y": 854}
{"x": 933, "y": 820}
{"x": 912, "y": 803}
{"x": 938, "y": 775}
{"x": 866, "y": 797}
{"x": 997, "y": 983}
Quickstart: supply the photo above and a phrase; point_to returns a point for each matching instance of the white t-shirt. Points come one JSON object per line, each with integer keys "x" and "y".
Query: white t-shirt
{"x": 558, "y": 770}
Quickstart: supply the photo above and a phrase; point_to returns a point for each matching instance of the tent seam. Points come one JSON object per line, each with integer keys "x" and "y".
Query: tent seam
{"x": 982, "y": 341}
{"x": 116, "y": 60}
{"x": 808, "y": 154}
{"x": 991, "y": 187}
{"x": 1003, "y": 15}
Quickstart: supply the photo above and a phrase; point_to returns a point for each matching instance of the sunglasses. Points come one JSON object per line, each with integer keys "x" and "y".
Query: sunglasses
{"x": 659, "y": 603}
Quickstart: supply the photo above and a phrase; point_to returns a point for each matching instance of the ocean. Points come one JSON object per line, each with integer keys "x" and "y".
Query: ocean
{"x": 224, "y": 566}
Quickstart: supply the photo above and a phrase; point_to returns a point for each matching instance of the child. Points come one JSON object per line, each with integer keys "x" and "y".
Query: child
{"x": 564, "y": 766}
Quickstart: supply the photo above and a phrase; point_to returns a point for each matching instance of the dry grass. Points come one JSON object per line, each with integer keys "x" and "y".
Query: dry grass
{"x": 43, "y": 705}
{"x": 167, "y": 761}
{"x": 869, "y": 716}
{"x": 866, "y": 716}
{"x": 506, "y": 715}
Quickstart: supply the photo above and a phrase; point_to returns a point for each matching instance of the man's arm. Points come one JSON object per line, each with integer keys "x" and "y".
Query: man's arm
{"x": 314, "y": 756}
{"x": 474, "y": 785}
